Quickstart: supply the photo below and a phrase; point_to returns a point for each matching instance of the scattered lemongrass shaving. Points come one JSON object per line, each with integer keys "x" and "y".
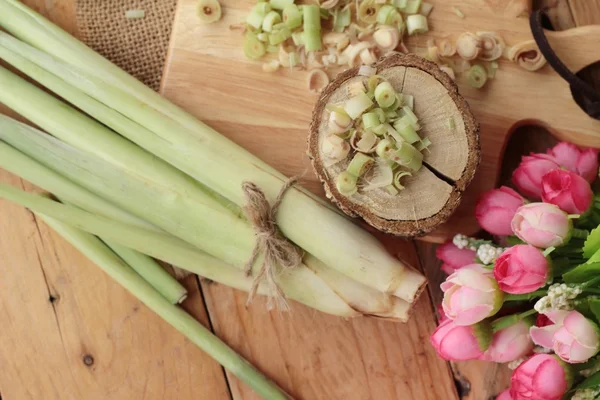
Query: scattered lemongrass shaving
{"x": 398, "y": 176}
{"x": 271, "y": 66}
{"x": 477, "y": 76}
{"x": 135, "y": 14}
{"x": 451, "y": 123}
{"x": 317, "y": 80}
{"x": 492, "y": 46}
{"x": 209, "y": 11}
{"x": 459, "y": 13}
{"x": 448, "y": 70}
{"x": 468, "y": 46}
{"x": 527, "y": 55}
{"x": 366, "y": 70}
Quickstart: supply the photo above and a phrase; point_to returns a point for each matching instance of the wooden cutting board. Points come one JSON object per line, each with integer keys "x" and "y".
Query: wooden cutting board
{"x": 268, "y": 113}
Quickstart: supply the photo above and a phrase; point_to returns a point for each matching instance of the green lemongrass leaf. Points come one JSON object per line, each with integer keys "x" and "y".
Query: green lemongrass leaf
{"x": 209, "y": 157}
{"x": 582, "y": 273}
{"x": 592, "y": 243}
{"x": 122, "y": 273}
{"x": 299, "y": 283}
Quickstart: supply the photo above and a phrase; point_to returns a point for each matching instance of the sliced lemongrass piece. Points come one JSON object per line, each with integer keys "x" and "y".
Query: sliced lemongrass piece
{"x": 271, "y": 66}
{"x": 284, "y": 55}
{"x": 352, "y": 52}
{"x": 263, "y": 36}
{"x": 432, "y": 54}
{"x": 339, "y": 122}
{"x": 426, "y": 9}
{"x": 527, "y": 55}
{"x": 386, "y": 38}
{"x": 257, "y": 14}
{"x": 384, "y": 147}
{"x": 367, "y": 142}
{"x": 409, "y": 101}
{"x": 253, "y": 48}
{"x": 406, "y": 155}
{"x": 385, "y": 95}
{"x": 358, "y": 104}
{"x": 137, "y": 14}
{"x": 356, "y": 88}
{"x": 380, "y": 130}
{"x": 400, "y": 4}
{"x": 269, "y": 20}
{"x": 384, "y": 13}
{"x": 391, "y": 132}
{"x": 312, "y": 40}
{"x": 312, "y": 17}
{"x": 405, "y": 127}
{"x": 411, "y": 116}
{"x": 492, "y": 46}
{"x": 461, "y": 65}
{"x": 423, "y": 144}
{"x": 477, "y": 76}
{"x": 209, "y": 11}
{"x": 280, "y": 4}
{"x": 451, "y": 123}
{"x": 324, "y": 13}
{"x": 381, "y": 114}
{"x": 366, "y": 70}
{"x": 292, "y": 17}
{"x": 468, "y": 46}
{"x": 380, "y": 176}
{"x": 448, "y": 71}
{"x": 279, "y": 34}
{"x": 335, "y": 149}
{"x": 391, "y": 190}
{"x": 368, "y": 57}
{"x": 367, "y": 12}
{"x": 329, "y": 4}
{"x": 332, "y": 107}
{"x": 412, "y": 7}
{"x": 359, "y": 164}
{"x": 458, "y": 13}
{"x": 346, "y": 183}
{"x": 298, "y": 38}
{"x": 416, "y": 24}
{"x": 398, "y": 177}
{"x": 348, "y": 134}
{"x": 337, "y": 39}
{"x": 317, "y": 80}
{"x": 342, "y": 18}
{"x": 446, "y": 48}
{"x": 395, "y": 20}
{"x": 370, "y": 120}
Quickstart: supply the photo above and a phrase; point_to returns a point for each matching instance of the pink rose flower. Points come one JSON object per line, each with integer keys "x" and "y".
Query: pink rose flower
{"x": 456, "y": 343}
{"x": 509, "y": 344}
{"x": 521, "y": 269}
{"x": 528, "y": 175}
{"x": 470, "y": 295}
{"x": 454, "y": 258}
{"x": 567, "y": 190}
{"x": 505, "y": 395}
{"x": 543, "y": 334}
{"x": 496, "y": 208}
{"x": 542, "y": 377}
{"x": 573, "y": 337}
{"x": 583, "y": 162}
{"x": 542, "y": 225}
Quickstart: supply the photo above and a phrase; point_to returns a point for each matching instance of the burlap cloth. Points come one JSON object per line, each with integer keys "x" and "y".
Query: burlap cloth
{"x": 139, "y": 46}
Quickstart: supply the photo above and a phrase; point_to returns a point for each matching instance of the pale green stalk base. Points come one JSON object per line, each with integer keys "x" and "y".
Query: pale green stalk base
{"x": 110, "y": 263}
{"x": 211, "y": 158}
{"x": 299, "y": 284}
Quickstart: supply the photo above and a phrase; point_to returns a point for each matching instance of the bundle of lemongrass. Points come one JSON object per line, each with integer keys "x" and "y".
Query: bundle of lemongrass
{"x": 148, "y": 179}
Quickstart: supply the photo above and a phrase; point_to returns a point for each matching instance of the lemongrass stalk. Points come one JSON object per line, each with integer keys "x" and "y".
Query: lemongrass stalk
{"x": 219, "y": 233}
{"x": 117, "y": 269}
{"x": 213, "y": 159}
{"x": 299, "y": 284}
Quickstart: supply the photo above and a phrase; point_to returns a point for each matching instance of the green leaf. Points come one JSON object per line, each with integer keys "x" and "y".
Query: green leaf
{"x": 595, "y": 257}
{"x": 582, "y": 273}
{"x": 590, "y": 382}
{"x": 595, "y": 307}
{"x": 592, "y": 243}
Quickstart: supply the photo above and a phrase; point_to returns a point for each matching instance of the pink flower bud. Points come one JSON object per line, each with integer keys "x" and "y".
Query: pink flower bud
{"x": 458, "y": 343}
{"x": 567, "y": 190}
{"x": 573, "y": 337}
{"x": 542, "y": 377}
{"x": 505, "y": 395}
{"x": 521, "y": 269}
{"x": 454, "y": 258}
{"x": 528, "y": 176}
{"x": 496, "y": 208}
{"x": 509, "y": 344}
{"x": 470, "y": 295}
{"x": 582, "y": 162}
{"x": 542, "y": 225}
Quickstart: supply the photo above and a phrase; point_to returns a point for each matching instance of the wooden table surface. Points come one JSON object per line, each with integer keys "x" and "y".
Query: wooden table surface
{"x": 69, "y": 332}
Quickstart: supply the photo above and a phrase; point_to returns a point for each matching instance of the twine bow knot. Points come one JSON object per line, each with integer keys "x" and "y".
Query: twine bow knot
{"x": 277, "y": 249}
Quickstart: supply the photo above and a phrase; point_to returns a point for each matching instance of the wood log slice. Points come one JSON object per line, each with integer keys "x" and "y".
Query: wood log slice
{"x": 433, "y": 193}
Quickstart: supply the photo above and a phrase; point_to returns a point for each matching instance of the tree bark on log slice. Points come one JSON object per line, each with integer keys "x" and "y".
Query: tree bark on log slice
{"x": 433, "y": 193}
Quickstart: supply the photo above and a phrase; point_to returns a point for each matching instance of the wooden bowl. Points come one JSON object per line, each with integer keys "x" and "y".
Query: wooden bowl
{"x": 433, "y": 193}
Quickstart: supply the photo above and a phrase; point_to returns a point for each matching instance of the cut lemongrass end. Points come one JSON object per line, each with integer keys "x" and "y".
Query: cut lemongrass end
{"x": 292, "y": 17}
{"x": 458, "y": 12}
{"x": 209, "y": 11}
{"x": 367, "y": 12}
{"x": 408, "y": 156}
{"x": 270, "y": 19}
{"x": 339, "y": 122}
{"x": 279, "y": 35}
{"x": 412, "y": 6}
{"x": 359, "y": 164}
{"x": 451, "y": 123}
{"x": 370, "y": 120}
{"x": 312, "y": 27}
{"x": 253, "y": 47}
{"x": 423, "y": 144}
{"x": 358, "y": 104}
{"x": 391, "y": 190}
{"x": 468, "y": 46}
{"x": 346, "y": 183}
{"x": 384, "y": 147}
{"x": 280, "y": 4}
{"x": 385, "y": 95}
{"x": 384, "y": 13}
{"x": 405, "y": 128}
{"x": 398, "y": 177}
{"x": 342, "y": 18}
{"x": 257, "y": 14}
{"x": 477, "y": 76}
{"x": 416, "y": 24}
